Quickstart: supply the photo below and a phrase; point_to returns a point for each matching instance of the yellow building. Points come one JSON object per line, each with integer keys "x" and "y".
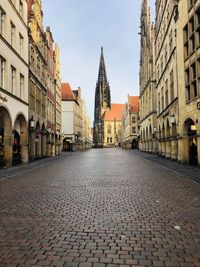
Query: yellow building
{"x": 188, "y": 53}
{"x": 167, "y": 78}
{"x": 37, "y": 81}
{"x": 112, "y": 125}
{"x": 130, "y": 123}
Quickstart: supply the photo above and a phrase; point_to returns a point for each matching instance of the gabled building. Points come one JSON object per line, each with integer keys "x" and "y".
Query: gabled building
{"x": 130, "y": 123}
{"x": 112, "y": 125}
{"x": 37, "y": 81}
{"x": 76, "y": 130}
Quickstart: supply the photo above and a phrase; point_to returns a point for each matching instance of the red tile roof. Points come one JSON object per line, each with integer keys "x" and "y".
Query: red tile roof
{"x": 134, "y": 103}
{"x": 115, "y": 113}
{"x": 66, "y": 92}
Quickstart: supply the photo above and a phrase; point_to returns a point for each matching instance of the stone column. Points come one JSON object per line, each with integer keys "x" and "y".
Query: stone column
{"x": 24, "y": 154}
{"x": 49, "y": 150}
{"x": 52, "y": 150}
{"x": 168, "y": 149}
{"x": 184, "y": 150}
{"x": 39, "y": 148}
{"x": 198, "y": 149}
{"x": 174, "y": 149}
{"x": 163, "y": 149}
{"x": 7, "y": 155}
{"x": 44, "y": 145}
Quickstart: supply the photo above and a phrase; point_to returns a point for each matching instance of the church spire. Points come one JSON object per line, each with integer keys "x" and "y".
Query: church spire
{"x": 102, "y": 102}
{"x": 102, "y": 68}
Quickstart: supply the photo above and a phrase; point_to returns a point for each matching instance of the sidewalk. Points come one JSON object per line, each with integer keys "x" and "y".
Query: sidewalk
{"x": 187, "y": 171}
{"x": 21, "y": 169}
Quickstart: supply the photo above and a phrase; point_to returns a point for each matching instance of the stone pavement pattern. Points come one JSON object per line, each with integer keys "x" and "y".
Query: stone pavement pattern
{"x": 100, "y": 208}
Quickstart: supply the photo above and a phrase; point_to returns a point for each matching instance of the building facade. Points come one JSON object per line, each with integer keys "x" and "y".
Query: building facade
{"x": 188, "y": 52}
{"x": 130, "y": 123}
{"x": 13, "y": 82}
{"x": 76, "y": 130}
{"x": 167, "y": 78}
{"x": 148, "y": 95}
{"x": 44, "y": 87}
{"x": 57, "y": 84}
{"x": 37, "y": 82}
{"x": 112, "y": 126}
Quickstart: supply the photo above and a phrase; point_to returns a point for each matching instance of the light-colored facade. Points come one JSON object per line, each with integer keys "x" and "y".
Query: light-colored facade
{"x": 188, "y": 53}
{"x": 57, "y": 84}
{"x": 76, "y": 132}
{"x": 13, "y": 82}
{"x": 112, "y": 126}
{"x": 167, "y": 78}
{"x": 148, "y": 96}
{"x": 130, "y": 123}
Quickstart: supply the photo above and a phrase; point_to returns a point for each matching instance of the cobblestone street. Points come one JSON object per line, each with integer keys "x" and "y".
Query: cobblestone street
{"x": 100, "y": 208}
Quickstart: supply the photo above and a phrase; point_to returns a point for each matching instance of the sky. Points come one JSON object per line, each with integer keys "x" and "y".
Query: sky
{"x": 81, "y": 27}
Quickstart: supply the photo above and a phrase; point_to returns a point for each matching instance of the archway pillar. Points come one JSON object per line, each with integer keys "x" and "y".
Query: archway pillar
{"x": 49, "y": 150}
{"x": 7, "y": 155}
{"x": 174, "y": 149}
{"x": 53, "y": 150}
{"x": 184, "y": 150}
{"x": 24, "y": 154}
{"x": 44, "y": 145}
{"x": 163, "y": 149}
{"x": 168, "y": 149}
{"x": 198, "y": 149}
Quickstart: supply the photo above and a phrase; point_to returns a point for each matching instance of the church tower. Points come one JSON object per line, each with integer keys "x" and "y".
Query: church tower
{"x": 102, "y": 102}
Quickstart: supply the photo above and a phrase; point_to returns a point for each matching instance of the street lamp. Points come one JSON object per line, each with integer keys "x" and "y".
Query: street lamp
{"x": 32, "y": 123}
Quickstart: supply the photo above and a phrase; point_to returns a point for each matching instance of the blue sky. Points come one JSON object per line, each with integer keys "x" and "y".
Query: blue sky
{"x": 81, "y": 28}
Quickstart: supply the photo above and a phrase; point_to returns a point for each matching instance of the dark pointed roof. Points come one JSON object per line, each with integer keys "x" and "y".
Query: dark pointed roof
{"x": 102, "y": 68}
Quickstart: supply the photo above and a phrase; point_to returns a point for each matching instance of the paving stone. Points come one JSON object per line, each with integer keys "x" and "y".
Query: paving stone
{"x": 100, "y": 208}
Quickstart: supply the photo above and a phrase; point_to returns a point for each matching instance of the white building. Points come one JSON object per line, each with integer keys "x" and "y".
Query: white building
{"x": 13, "y": 82}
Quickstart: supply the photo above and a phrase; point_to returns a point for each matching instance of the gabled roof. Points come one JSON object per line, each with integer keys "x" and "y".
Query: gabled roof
{"x": 67, "y": 93}
{"x": 115, "y": 113}
{"x": 134, "y": 103}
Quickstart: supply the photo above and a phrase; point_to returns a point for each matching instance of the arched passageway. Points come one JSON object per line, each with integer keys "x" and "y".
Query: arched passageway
{"x": 5, "y": 138}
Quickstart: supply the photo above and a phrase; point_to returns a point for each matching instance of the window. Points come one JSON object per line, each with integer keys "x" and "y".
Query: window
{"x": 2, "y": 21}
{"x": 21, "y": 45}
{"x": 13, "y": 79}
{"x": 133, "y": 120}
{"x": 12, "y": 34}
{"x": 158, "y": 103}
{"x": 133, "y": 130}
{"x": 172, "y": 85}
{"x": 21, "y": 86}
{"x": 2, "y": 72}
{"x": 21, "y": 9}
{"x": 108, "y": 139}
{"x": 166, "y": 94}
{"x": 109, "y": 129}
{"x": 162, "y": 99}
